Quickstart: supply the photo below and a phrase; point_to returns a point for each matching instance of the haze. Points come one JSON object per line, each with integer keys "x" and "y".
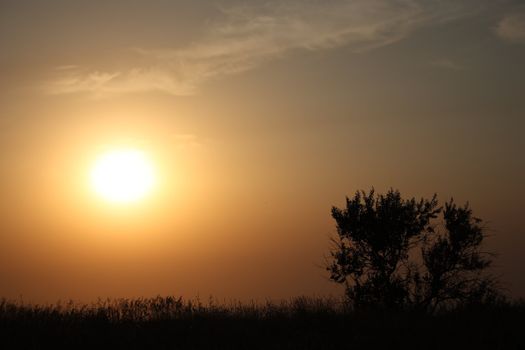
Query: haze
{"x": 259, "y": 116}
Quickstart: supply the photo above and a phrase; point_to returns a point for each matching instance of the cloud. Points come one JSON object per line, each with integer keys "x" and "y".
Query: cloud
{"x": 66, "y": 67}
{"x": 103, "y": 84}
{"x": 447, "y": 64}
{"x": 249, "y": 35}
{"x": 512, "y": 28}
{"x": 189, "y": 141}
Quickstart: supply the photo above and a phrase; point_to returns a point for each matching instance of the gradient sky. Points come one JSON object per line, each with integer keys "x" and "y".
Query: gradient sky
{"x": 260, "y": 115}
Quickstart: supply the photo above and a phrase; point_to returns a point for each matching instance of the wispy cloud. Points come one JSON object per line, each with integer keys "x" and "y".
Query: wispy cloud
{"x": 102, "y": 84}
{"x": 250, "y": 35}
{"x": 186, "y": 141}
{"x": 447, "y": 64}
{"x": 512, "y": 28}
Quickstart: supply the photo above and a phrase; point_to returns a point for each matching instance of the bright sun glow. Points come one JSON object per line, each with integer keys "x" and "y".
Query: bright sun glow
{"x": 122, "y": 176}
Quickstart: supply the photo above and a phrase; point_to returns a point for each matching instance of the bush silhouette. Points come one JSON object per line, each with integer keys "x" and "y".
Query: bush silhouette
{"x": 390, "y": 253}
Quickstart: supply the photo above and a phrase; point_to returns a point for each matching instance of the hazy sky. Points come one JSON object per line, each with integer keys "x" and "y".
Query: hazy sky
{"x": 259, "y": 116}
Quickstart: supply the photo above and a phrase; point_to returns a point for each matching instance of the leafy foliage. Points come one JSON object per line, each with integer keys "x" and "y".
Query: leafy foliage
{"x": 388, "y": 253}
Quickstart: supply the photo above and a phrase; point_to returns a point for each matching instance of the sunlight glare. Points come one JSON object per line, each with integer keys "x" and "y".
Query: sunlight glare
{"x": 122, "y": 176}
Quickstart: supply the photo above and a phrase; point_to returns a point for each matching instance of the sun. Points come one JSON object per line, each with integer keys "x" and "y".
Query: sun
{"x": 123, "y": 175}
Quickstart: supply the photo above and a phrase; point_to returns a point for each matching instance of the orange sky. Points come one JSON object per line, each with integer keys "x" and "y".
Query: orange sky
{"x": 258, "y": 119}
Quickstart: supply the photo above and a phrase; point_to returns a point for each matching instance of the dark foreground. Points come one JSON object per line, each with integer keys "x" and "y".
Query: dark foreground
{"x": 301, "y": 323}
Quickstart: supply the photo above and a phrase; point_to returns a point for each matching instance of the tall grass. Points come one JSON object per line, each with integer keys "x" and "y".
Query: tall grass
{"x": 299, "y": 323}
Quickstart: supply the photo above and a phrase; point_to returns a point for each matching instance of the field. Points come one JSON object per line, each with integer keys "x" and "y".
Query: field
{"x": 301, "y": 323}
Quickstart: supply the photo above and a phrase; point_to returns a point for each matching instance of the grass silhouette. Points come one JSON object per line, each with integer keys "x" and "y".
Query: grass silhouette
{"x": 299, "y": 323}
